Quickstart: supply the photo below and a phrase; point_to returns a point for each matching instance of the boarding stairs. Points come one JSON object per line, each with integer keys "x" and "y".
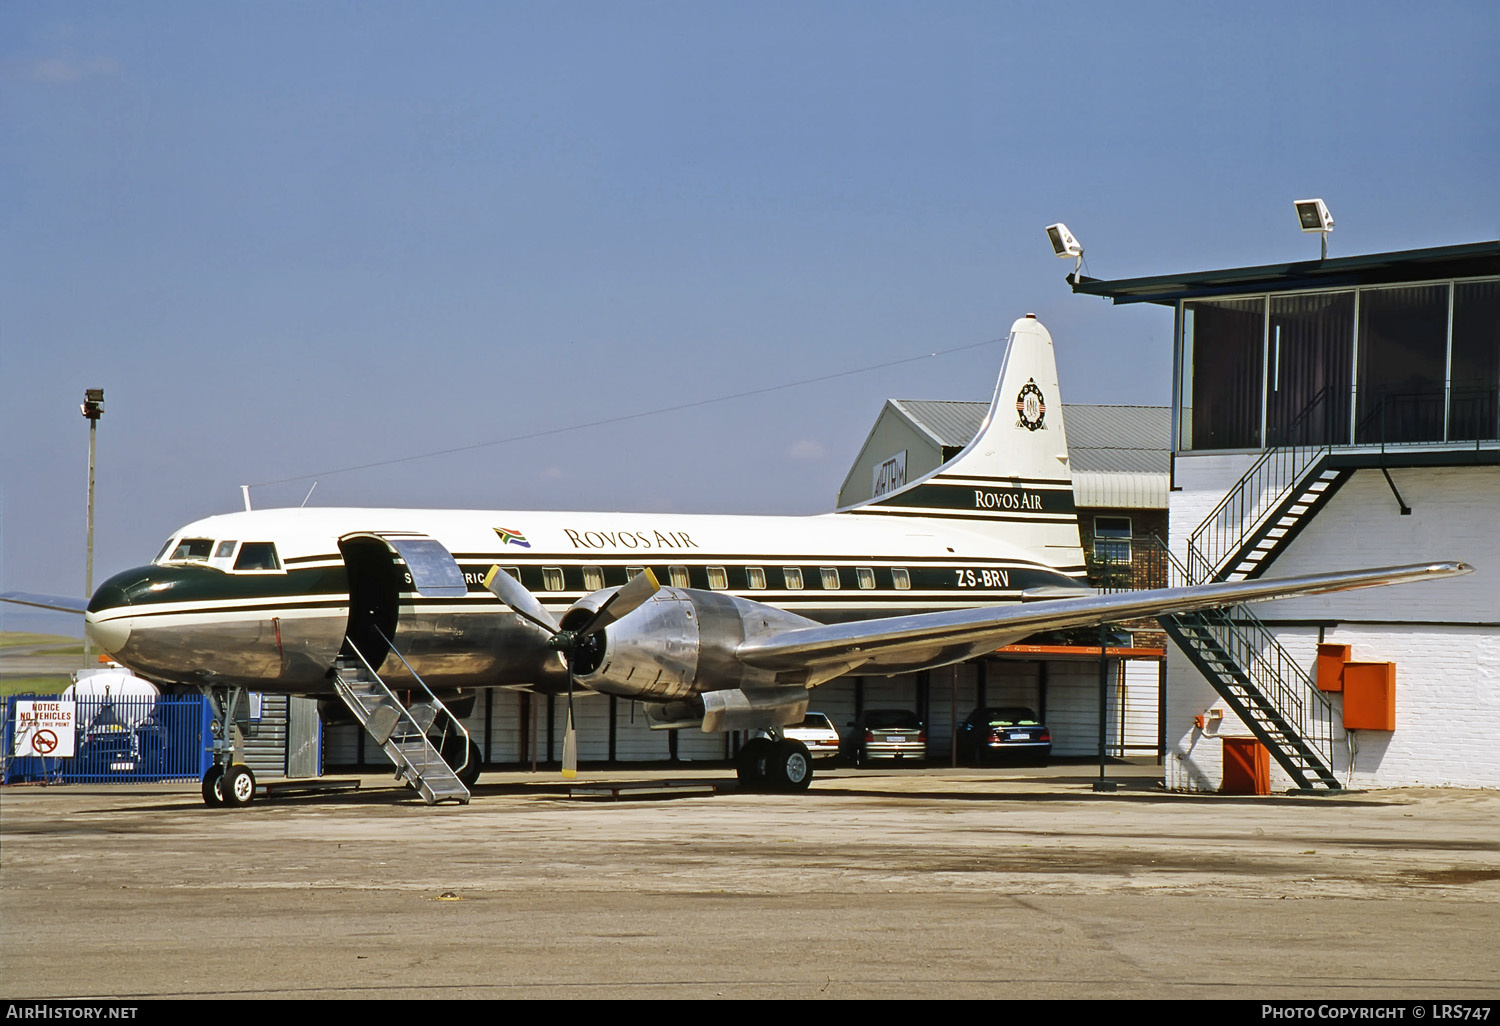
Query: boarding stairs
{"x": 413, "y": 735}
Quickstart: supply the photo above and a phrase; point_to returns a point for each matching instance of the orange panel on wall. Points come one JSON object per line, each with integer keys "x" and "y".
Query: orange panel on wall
{"x": 1331, "y": 660}
{"x": 1247, "y": 767}
{"x": 1369, "y": 696}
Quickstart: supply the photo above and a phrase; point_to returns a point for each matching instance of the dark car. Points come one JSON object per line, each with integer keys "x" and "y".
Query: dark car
{"x": 881, "y": 735}
{"x": 1010, "y": 733}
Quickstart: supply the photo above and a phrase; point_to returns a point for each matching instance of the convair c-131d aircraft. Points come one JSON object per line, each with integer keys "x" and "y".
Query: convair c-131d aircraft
{"x": 719, "y": 623}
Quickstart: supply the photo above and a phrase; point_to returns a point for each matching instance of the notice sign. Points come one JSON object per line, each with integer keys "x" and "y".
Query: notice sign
{"x": 44, "y": 728}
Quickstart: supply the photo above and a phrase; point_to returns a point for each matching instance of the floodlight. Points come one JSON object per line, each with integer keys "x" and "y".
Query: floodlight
{"x": 1314, "y": 216}
{"x": 93, "y": 403}
{"x": 1065, "y": 245}
{"x": 1063, "y": 242}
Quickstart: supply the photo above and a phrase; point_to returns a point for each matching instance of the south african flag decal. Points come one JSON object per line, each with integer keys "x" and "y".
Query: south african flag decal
{"x": 509, "y": 537}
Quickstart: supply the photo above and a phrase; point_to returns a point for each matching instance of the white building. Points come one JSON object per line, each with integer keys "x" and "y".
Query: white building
{"x": 1328, "y": 415}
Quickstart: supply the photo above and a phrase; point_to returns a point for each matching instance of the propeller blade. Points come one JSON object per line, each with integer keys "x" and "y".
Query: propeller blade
{"x": 636, "y": 592}
{"x": 526, "y": 605}
{"x": 570, "y": 741}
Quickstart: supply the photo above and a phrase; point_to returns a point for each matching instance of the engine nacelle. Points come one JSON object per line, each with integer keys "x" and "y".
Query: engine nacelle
{"x": 731, "y": 709}
{"x": 679, "y": 644}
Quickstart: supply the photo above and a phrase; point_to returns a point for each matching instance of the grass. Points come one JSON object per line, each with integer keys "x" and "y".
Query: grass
{"x": 15, "y": 639}
{"x": 50, "y": 684}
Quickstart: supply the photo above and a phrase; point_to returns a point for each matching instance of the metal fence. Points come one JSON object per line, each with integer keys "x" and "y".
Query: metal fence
{"x": 118, "y": 740}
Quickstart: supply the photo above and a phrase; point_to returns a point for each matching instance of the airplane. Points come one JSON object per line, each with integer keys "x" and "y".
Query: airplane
{"x": 711, "y": 622}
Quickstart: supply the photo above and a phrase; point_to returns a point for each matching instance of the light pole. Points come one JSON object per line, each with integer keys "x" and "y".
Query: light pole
{"x": 93, "y": 409}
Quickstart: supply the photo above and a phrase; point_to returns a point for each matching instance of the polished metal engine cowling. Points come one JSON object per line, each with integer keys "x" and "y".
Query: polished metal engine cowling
{"x": 682, "y": 643}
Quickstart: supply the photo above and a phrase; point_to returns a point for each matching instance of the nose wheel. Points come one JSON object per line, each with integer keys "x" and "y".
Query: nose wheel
{"x": 226, "y": 783}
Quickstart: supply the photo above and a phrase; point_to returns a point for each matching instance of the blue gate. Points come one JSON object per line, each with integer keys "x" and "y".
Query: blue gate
{"x": 118, "y": 740}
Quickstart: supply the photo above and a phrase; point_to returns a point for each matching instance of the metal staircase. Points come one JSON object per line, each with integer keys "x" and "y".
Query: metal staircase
{"x": 1265, "y": 687}
{"x": 1238, "y": 656}
{"x": 1242, "y": 660}
{"x": 1264, "y": 510}
{"x": 406, "y": 732}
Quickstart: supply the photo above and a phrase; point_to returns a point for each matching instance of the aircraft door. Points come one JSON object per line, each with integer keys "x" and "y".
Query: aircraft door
{"x": 380, "y": 566}
{"x": 374, "y": 596}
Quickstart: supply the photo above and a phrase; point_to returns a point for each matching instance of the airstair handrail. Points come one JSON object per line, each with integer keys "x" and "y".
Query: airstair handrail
{"x": 437, "y": 702}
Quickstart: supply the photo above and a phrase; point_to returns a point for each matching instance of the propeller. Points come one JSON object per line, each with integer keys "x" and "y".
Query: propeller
{"x": 575, "y": 642}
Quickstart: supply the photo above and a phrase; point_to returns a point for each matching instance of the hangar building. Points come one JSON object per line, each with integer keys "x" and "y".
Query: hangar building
{"x": 1327, "y": 415}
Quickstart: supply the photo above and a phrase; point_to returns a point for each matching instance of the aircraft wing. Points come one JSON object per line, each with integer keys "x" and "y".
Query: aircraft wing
{"x": 59, "y": 602}
{"x": 942, "y": 635}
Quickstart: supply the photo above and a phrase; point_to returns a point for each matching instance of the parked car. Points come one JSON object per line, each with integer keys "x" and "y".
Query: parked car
{"x": 885, "y": 734}
{"x": 1010, "y": 733}
{"x": 817, "y": 732}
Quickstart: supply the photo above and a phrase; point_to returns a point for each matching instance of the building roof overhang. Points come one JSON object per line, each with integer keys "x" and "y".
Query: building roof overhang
{"x": 1472, "y": 260}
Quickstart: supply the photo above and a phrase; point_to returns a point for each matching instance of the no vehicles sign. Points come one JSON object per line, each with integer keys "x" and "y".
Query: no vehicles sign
{"x": 44, "y": 728}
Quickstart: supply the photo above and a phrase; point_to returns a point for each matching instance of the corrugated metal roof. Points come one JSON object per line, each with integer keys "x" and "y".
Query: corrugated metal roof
{"x": 1119, "y": 491}
{"x": 947, "y": 422}
{"x": 1101, "y": 439}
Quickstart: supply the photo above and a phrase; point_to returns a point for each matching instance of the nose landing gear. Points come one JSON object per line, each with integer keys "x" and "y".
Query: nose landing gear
{"x": 227, "y": 783}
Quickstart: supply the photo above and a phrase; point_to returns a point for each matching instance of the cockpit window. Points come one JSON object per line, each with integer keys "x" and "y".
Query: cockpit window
{"x": 191, "y": 550}
{"x": 165, "y": 548}
{"x": 225, "y": 550}
{"x": 258, "y": 556}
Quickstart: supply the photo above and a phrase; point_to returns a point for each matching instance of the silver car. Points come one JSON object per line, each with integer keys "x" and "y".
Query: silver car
{"x": 886, "y": 734}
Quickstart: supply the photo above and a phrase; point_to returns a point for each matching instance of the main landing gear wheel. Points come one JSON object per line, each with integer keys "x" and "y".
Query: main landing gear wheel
{"x": 213, "y": 787}
{"x": 750, "y": 764}
{"x": 453, "y": 756}
{"x": 789, "y": 767}
{"x": 238, "y": 786}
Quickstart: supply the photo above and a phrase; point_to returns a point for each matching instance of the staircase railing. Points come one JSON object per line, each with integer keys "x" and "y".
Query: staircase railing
{"x": 1245, "y": 507}
{"x": 1260, "y": 662}
{"x": 410, "y": 727}
{"x": 450, "y": 721}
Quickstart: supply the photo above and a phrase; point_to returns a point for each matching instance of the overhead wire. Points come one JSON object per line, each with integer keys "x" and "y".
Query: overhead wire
{"x": 624, "y": 417}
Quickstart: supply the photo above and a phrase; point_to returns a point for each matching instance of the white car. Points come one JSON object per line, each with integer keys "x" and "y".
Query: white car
{"x": 817, "y": 733}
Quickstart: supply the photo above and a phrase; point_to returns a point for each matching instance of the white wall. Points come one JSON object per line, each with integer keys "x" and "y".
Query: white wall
{"x": 1443, "y": 636}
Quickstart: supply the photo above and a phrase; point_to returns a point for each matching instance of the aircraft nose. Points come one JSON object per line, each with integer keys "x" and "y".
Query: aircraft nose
{"x": 107, "y": 621}
{"x": 107, "y": 635}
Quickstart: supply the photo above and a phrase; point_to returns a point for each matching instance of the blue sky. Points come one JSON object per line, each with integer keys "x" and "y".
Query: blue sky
{"x": 289, "y": 238}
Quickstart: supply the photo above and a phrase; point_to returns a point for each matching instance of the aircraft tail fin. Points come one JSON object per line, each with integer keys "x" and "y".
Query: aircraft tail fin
{"x": 1013, "y": 480}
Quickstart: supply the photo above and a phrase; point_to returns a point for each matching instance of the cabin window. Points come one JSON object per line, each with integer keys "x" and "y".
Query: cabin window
{"x": 866, "y": 577}
{"x": 632, "y": 572}
{"x": 552, "y": 578}
{"x": 678, "y": 576}
{"x": 901, "y": 578}
{"x": 718, "y": 579}
{"x": 514, "y": 571}
{"x": 193, "y": 550}
{"x": 830, "y": 577}
{"x": 257, "y": 556}
{"x": 756, "y": 577}
{"x": 593, "y": 578}
{"x": 225, "y": 549}
{"x": 793, "y": 577}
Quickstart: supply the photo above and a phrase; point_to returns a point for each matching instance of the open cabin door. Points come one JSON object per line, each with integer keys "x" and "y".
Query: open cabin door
{"x": 380, "y": 566}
